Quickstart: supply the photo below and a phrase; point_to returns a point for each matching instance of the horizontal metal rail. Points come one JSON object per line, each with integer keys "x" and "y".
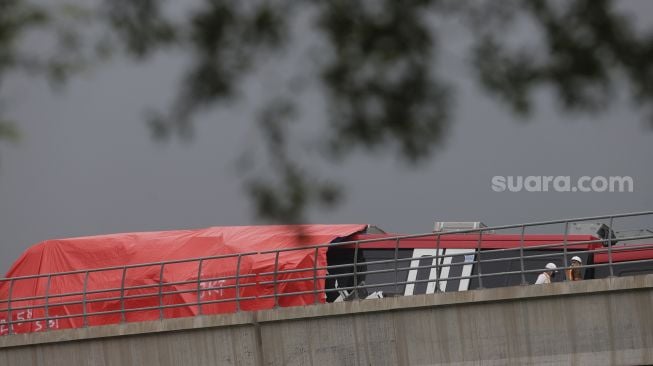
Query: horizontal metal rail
{"x": 554, "y": 254}
{"x": 127, "y": 298}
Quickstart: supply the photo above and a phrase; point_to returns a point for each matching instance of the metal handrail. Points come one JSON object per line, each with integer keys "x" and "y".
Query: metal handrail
{"x": 126, "y": 288}
{"x": 315, "y": 276}
{"x": 278, "y": 279}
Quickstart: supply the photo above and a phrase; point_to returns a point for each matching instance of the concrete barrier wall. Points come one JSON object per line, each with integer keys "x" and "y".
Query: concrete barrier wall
{"x": 596, "y": 322}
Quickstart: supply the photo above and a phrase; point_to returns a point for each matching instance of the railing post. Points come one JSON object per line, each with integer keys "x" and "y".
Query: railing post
{"x": 356, "y": 270}
{"x": 161, "y": 291}
{"x": 438, "y": 268}
{"x": 9, "y": 315}
{"x": 199, "y": 287}
{"x": 123, "y": 317}
{"x": 315, "y": 299}
{"x": 521, "y": 255}
{"x": 396, "y": 265}
{"x": 564, "y": 250}
{"x": 238, "y": 283}
{"x": 84, "y": 311}
{"x": 274, "y": 279}
{"x": 610, "y": 231}
{"x": 479, "y": 275}
{"x": 47, "y": 310}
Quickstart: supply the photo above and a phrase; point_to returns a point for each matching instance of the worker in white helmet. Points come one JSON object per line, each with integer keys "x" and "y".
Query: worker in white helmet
{"x": 546, "y": 276}
{"x": 574, "y": 273}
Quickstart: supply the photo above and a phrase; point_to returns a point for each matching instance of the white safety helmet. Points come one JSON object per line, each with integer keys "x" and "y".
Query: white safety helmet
{"x": 551, "y": 266}
{"x": 577, "y": 259}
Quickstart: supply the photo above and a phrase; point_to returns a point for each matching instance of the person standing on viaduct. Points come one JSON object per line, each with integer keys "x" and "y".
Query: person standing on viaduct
{"x": 546, "y": 276}
{"x": 574, "y": 273}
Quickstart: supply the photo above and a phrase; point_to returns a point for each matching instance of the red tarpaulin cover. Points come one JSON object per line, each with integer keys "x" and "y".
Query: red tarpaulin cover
{"x": 103, "y": 288}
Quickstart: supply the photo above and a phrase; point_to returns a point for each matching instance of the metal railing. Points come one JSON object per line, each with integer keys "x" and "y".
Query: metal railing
{"x": 237, "y": 289}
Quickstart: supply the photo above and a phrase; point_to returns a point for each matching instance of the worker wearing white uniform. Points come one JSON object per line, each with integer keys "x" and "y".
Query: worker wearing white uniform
{"x": 545, "y": 277}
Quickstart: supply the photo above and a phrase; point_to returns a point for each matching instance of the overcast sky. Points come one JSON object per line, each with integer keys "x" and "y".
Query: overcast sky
{"x": 87, "y": 164}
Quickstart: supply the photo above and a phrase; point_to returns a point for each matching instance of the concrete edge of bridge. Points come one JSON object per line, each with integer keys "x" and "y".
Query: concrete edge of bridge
{"x": 515, "y": 293}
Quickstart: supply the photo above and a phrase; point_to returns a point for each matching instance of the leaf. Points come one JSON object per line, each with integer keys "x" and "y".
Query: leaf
{"x": 9, "y": 131}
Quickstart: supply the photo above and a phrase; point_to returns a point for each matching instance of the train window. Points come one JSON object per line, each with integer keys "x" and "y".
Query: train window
{"x": 624, "y": 269}
{"x": 385, "y": 281}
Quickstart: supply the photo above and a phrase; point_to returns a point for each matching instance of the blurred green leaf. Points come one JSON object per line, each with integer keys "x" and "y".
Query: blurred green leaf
{"x": 377, "y": 69}
{"x": 9, "y": 131}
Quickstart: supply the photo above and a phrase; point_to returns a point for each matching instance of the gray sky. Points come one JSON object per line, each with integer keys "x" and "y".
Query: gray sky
{"x": 87, "y": 164}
